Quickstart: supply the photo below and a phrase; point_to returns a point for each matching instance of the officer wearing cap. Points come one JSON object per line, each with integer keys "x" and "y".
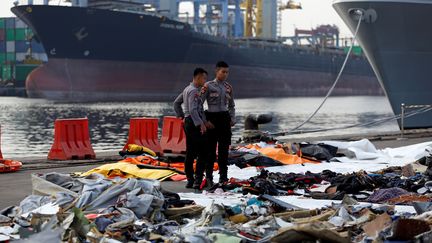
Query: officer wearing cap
{"x": 221, "y": 117}
{"x": 195, "y": 127}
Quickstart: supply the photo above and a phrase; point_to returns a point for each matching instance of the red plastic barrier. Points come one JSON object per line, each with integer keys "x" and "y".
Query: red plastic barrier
{"x": 173, "y": 137}
{"x": 144, "y": 132}
{"x": 71, "y": 140}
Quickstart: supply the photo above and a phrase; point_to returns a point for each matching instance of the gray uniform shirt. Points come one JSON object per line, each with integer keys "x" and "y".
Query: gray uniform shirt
{"x": 219, "y": 96}
{"x": 192, "y": 98}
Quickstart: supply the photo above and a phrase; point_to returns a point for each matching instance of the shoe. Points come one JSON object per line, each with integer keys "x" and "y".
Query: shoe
{"x": 223, "y": 180}
{"x": 189, "y": 184}
{"x": 197, "y": 184}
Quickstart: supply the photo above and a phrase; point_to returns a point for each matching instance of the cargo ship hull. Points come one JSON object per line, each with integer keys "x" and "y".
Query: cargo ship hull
{"x": 99, "y": 54}
{"x": 397, "y": 44}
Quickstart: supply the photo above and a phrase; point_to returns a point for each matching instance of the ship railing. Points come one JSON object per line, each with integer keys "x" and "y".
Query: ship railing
{"x": 405, "y": 107}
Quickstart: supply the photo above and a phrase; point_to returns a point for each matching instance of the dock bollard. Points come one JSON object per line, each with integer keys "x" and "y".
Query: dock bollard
{"x": 144, "y": 132}
{"x": 71, "y": 140}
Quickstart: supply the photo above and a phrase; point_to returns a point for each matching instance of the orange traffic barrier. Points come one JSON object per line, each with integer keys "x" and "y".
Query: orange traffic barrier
{"x": 173, "y": 138}
{"x": 144, "y": 132}
{"x": 71, "y": 140}
{"x": 9, "y": 166}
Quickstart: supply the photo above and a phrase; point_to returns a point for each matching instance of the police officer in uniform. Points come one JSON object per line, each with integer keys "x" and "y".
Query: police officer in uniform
{"x": 195, "y": 127}
{"x": 221, "y": 117}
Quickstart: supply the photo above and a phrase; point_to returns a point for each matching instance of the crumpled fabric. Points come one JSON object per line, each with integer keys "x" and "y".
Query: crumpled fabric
{"x": 141, "y": 203}
{"x": 63, "y": 198}
{"x": 110, "y": 196}
{"x": 63, "y": 180}
{"x": 32, "y": 202}
{"x": 383, "y": 195}
{"x": 246, "y": 159}
{"x": 279, "y": 154}
{"x": 91, "y": 190}
{"x": 128, "y": 170}
{"x": 318, "y": 151}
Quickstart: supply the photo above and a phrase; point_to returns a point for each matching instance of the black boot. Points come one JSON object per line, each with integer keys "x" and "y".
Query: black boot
{"x": 223, "y": 180}
{"x": 197, "y": 184}
{"x": 189, "y": 184}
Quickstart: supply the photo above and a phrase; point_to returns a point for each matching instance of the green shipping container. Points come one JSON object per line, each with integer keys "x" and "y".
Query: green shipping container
{"x": 356, "y": 50}
{"x": 2, "y": 58}
{"x": 10, "y": 56}
{"x": 10, "y": 34}
{"x": 22, "y": 70}
{"x": 20, "y": 34}
{"x": 2, "y": 23}
{"x": 6, "y": 72}
{"x": 29, "y": 33}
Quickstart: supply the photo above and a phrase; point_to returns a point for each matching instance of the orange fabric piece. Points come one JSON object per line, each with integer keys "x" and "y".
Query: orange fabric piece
{"x": 178, "y": 177}
{"x": 280, "y": 155}
{"x": 9, "y": 165}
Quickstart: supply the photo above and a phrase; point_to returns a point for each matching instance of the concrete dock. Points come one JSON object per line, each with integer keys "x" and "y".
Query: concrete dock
{"x": 16, "y": 186}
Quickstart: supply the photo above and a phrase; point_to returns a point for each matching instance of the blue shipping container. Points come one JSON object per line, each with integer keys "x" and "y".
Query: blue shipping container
{"x": 21, "y": 46}
{"x": 10, "y": 23}
{"x": 2, "y": 47}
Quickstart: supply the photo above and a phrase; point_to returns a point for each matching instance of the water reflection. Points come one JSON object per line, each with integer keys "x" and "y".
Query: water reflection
{"x": 27, "y": 124}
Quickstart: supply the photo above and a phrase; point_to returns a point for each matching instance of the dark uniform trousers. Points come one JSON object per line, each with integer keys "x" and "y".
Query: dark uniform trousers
{"x": 219, "y": 137}
{"x": 196, "y": 146}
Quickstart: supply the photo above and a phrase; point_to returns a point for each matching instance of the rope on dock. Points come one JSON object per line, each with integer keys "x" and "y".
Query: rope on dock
{"x": 366, "y": 124}
{"x": 337, "y": 78}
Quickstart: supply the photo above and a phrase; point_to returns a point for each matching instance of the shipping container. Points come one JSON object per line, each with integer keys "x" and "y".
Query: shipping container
{"x": 19, "y": 23}
{"x": 356, "y": 50}
{"x": 10, "y": 46}
{"x": 10, "y": 56}
{"x": 22, "y": 70}
{"x": 20, "y": 34}
{"x": 10, "y": 23}
{"x": 6, "y": 72}
{"x": 2, "y": 58}
{"x": 20, "y": 56}
{"x": 21, "y": 46}
{"x": 10, "y": 34}
{"x": 2, "y": 47}
{"x": 2, "y": 23}
{"x": 2, "y": 35}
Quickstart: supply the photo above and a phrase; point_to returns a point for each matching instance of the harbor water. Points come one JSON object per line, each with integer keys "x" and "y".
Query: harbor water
{"x": 27, "y": 125}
